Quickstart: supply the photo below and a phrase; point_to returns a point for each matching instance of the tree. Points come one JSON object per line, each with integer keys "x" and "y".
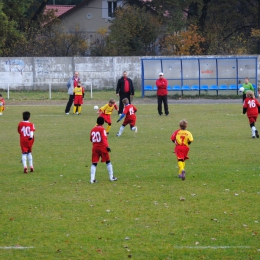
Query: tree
{"x": 183, "y": 43}
{"x": 134, "y": 31}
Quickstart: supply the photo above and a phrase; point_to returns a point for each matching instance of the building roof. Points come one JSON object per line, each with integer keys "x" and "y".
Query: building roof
{"x": 59, "y": 9}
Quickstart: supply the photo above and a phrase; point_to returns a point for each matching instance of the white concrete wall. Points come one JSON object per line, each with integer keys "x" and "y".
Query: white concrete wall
{"x": 31, "y": 73}
{"x": 38, "y": 72}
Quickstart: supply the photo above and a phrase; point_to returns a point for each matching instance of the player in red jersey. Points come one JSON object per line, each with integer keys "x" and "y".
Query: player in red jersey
{"x": 100, "y": 149}
{"x": 26, "y": 130}
{"x": 130, "y": 117}
{"x": 182, "y": 139}
{"x": 2, "y": 105}
{"x": 251, "y": 107}
{"x": 106, "y": 112}
{"x": 78, "y": 98}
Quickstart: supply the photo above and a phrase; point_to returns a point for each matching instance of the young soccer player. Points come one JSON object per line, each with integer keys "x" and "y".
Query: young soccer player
{"x": 130, "y": 117}
{"x": 78, "y": 98}
{"x": 106, "y": 111}
{"x": 26, "y": 130}
{"x": 100, "y": 149}
{"x": 182, "y": 139}
{"x": 2, "y": 105}
{"x": 251, "y": 107}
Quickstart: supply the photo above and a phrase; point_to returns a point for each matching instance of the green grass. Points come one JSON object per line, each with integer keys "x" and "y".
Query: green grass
{"x": 61, "y": 215}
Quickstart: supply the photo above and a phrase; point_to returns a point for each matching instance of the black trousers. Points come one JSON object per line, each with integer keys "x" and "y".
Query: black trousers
{"x": 121, "y": 105}
{"x": 69, "y": 104}
{"x": 164, "y": 100}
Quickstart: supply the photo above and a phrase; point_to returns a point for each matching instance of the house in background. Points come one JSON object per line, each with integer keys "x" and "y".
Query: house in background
{"x": 90, "y": 15}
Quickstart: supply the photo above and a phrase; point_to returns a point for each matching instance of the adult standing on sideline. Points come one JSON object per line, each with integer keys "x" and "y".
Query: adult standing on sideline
{"x": 247, "y": 86}
{"x": 162, "y": 93}
{"x": 72, "y": 83}
{"x": 124, "y": 89}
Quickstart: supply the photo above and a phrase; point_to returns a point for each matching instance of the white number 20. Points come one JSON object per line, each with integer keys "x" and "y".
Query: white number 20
{"x": 96, "y": 138}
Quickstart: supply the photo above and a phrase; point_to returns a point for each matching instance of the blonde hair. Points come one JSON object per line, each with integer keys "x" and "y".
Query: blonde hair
{"x": 250, "y": 94}
{"x": 183, "y": 124}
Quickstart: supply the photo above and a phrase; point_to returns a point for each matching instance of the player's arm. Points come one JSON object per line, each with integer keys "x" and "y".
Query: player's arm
{"x": 245, "y": 109}
{"x": 121, "y": 117}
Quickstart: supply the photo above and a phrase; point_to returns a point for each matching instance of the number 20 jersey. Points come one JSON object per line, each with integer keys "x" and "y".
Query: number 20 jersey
{"x": 98, "y": 136}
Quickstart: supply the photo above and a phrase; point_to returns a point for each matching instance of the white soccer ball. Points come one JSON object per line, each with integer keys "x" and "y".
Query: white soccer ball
{"x": 96, "y": 107}
{"x": 241, "y": 89}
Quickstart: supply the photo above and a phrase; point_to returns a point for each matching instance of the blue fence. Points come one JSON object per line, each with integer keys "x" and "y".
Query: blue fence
{"x": 199, "y": 75}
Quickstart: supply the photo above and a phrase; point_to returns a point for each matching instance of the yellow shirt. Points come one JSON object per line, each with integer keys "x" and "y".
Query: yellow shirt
{"x": 106, "y": 109}
{"x": 78, "y": 91}
{"x": 182, "y": 137}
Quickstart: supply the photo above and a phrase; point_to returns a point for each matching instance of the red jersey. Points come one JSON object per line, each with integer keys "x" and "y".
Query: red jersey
{"x": 129, "y": 112}
{"x": 98, "y": 136}
{"x": 24, "y": 129}
{"x": 251, "y": 105}
{"x": 162, "y": 85}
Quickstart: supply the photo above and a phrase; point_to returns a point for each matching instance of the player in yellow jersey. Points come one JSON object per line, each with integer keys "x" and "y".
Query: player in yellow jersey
{"x": 78, "y": 98}
{"x": 106, "y": 111}
{"x": 182, "y": 139}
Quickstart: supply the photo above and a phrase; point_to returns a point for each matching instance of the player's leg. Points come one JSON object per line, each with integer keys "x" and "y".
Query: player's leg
{"x": 30, "y": 160}
{"x": 108, "y": 128}
{"x": 93, "y": 173}
{"x": 110, "y": 171}
{"x": 79, "y": 109}
{"x": 24, "y": 161}
{"x": 121, "y": 129}
{"x": 133, "y": 127}
{"x": 181, "y": 165}
{"x": 252, "y": 125}
{"x": 159, "y": 102}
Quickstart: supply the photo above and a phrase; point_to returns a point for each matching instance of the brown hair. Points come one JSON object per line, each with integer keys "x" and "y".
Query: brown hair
{"x": 125, "y": 101}
{"x": 250, "y": 94}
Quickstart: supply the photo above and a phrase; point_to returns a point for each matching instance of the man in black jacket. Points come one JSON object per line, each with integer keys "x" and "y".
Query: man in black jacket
{"x": 124, "y": 89}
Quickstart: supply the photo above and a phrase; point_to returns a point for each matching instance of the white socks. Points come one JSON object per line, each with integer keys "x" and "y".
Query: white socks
{"x": 30, "y": 160}
{"x": 92, "y": 173}
{"x": 121, "y": 130}
{"x": 253, "y": 130}
{"x": 110, "y": 170}
{"x": 24, "y": 160}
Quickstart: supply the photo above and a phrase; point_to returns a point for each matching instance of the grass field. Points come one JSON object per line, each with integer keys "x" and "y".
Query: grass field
{"x": 55, "y": 213}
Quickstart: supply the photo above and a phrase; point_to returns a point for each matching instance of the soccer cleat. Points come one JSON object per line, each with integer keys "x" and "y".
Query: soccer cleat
{"x": 113, "y": 179}
{"x": 25, "y": 170}
{"x": 31, "y": 169}
{"x": 107, "y": 133}
{"x": 253, "y": 136}
{"x": 79, "y": 114}
{"x": 179, "y": 175}
{"x": 136, "y": 129}
{"x": 183, "y": 175}
{"x": 94, "y": 181}
{"x": 67, "y": 113}
{"x": 256, "y": 134}
{"x": 1, "y": 113}
{"x": 117, "y": 134}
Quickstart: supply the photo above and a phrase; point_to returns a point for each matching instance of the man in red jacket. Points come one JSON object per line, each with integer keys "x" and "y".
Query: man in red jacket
{"x": 162, "y": 93}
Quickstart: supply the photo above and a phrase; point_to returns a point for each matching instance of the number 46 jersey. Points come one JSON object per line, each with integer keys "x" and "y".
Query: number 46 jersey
{"x": 24, "y": 129}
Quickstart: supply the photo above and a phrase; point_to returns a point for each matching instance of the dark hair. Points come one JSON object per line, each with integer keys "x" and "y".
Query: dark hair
{"x": 100, "y": 120}
{"x": 26, "y": 115}
{"x": 0, "y": 95}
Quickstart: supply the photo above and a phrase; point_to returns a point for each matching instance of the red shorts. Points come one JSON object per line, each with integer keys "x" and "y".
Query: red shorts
{"x": 26, "y": 149}
{"x": 252, "y": 119}
{"x": 181, "y": 152}
{"x": 130, "y": 121}
{"x": 100, "y": 152}
{"x": 78, "y": 100}
{"x": 106, "y": 117}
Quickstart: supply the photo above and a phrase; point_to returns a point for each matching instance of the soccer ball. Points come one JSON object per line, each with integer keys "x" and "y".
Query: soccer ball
{"x": 96, "y": 107}
{"x": 241, "y": 89}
